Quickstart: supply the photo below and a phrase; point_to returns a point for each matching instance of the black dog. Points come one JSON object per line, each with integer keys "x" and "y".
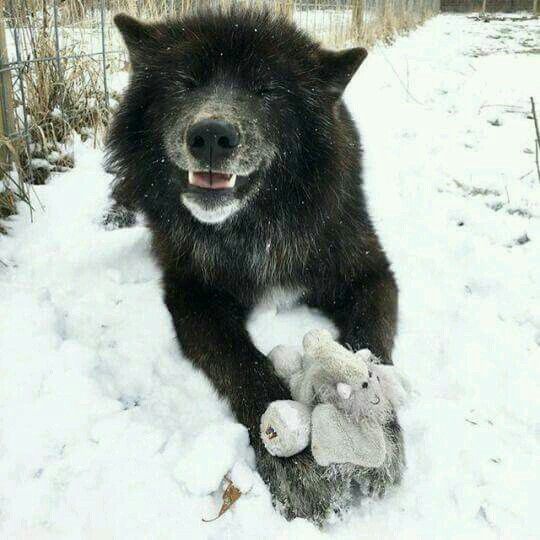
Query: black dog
{"x": 233, "y": 140}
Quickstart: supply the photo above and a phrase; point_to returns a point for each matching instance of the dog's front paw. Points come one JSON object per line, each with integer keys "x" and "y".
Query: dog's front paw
{"x": 301, "y": 488}
{"x": 375, "y": 481}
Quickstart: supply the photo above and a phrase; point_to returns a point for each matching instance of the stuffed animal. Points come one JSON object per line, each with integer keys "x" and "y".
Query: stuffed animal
{"x": 341, "y": 402}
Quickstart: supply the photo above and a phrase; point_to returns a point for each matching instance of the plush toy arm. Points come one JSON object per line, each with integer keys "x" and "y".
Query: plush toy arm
{"x": 286, "y": 361}
{"x": 289, "y": 366}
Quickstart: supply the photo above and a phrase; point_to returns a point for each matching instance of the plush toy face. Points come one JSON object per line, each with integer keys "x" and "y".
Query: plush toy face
{"x": 362, "y": 399}
{"x": 349, "y": 381}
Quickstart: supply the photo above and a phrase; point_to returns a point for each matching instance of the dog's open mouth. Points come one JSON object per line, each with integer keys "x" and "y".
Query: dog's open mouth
{"x": 212, "y": 180}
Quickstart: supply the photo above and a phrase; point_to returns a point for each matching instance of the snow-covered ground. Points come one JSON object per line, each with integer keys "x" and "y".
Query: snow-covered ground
{"x": 107, "y": 432}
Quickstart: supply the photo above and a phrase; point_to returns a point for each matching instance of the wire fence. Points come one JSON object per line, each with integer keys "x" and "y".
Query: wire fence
{"x": 490, "y": 6}
{"x": 63, "y": 66}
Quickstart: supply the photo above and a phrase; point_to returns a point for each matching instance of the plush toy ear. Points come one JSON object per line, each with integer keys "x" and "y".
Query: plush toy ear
{"x": 140, "y": 38}
{"x": 338, "y": 67}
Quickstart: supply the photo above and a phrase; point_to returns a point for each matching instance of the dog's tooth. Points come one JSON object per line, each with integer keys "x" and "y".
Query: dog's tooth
{"x": 190, "y": 176}
{"x": 232, "y": 181}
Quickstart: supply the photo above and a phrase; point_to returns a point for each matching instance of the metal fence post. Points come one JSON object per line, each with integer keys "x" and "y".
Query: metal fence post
{"x": 57, "y": 38}
{"x": 104, "y": 52}
{"x": 19, "y": 66}
{"x": 58, "y": 59}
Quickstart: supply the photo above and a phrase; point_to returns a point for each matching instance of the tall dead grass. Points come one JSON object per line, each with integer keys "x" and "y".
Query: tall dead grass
{"x": 55, "y": 93}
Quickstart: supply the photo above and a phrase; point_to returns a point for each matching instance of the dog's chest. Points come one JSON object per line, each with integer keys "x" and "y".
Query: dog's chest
{"x": 270, "y": 264}
{"x": 279, "y": 297}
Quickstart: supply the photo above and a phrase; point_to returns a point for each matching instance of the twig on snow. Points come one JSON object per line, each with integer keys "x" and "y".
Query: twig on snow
{"x": 525, "y": 175}
{"x": 509, "y": 108}
{"x": 404, "y": 85}
{"x": 537, "y": 142}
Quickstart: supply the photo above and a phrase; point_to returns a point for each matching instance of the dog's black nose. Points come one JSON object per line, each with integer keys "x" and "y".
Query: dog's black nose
{"x": 212, "y": 141}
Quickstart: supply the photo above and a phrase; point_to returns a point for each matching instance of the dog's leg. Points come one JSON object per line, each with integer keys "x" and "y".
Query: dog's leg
{"x": 365, "y": 312}
{"x": 210, "y": 326}
{"x": 123, "y": 212}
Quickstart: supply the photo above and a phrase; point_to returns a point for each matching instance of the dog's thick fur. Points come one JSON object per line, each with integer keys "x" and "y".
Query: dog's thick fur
{"x": 299, "y": 223}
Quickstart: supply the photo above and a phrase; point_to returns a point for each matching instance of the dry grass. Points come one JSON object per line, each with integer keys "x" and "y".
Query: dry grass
{"x": 391, "y": 18}
{"x": 52, "y": 99}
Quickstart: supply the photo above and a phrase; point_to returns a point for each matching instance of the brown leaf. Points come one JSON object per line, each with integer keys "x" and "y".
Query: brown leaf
{"x": 230, "y": 496}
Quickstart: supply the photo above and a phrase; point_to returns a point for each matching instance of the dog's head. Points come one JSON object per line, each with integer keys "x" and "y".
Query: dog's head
{"x": 222, "y": 98}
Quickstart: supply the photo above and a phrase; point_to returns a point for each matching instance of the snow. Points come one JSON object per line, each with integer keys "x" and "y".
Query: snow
{"x": 106, "y": 431}
{"x": 37, "y": 163}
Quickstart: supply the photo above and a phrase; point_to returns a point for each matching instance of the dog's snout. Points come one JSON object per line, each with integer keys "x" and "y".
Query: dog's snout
{"x": 211, "y": 140}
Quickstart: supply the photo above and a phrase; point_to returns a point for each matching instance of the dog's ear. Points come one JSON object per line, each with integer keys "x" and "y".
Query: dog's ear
{"x": 338, "y": 67}
{"x": 139, "y": 37}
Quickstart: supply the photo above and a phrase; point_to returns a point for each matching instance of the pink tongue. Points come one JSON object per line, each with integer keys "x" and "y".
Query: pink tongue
{"x": 211, "y": 180}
